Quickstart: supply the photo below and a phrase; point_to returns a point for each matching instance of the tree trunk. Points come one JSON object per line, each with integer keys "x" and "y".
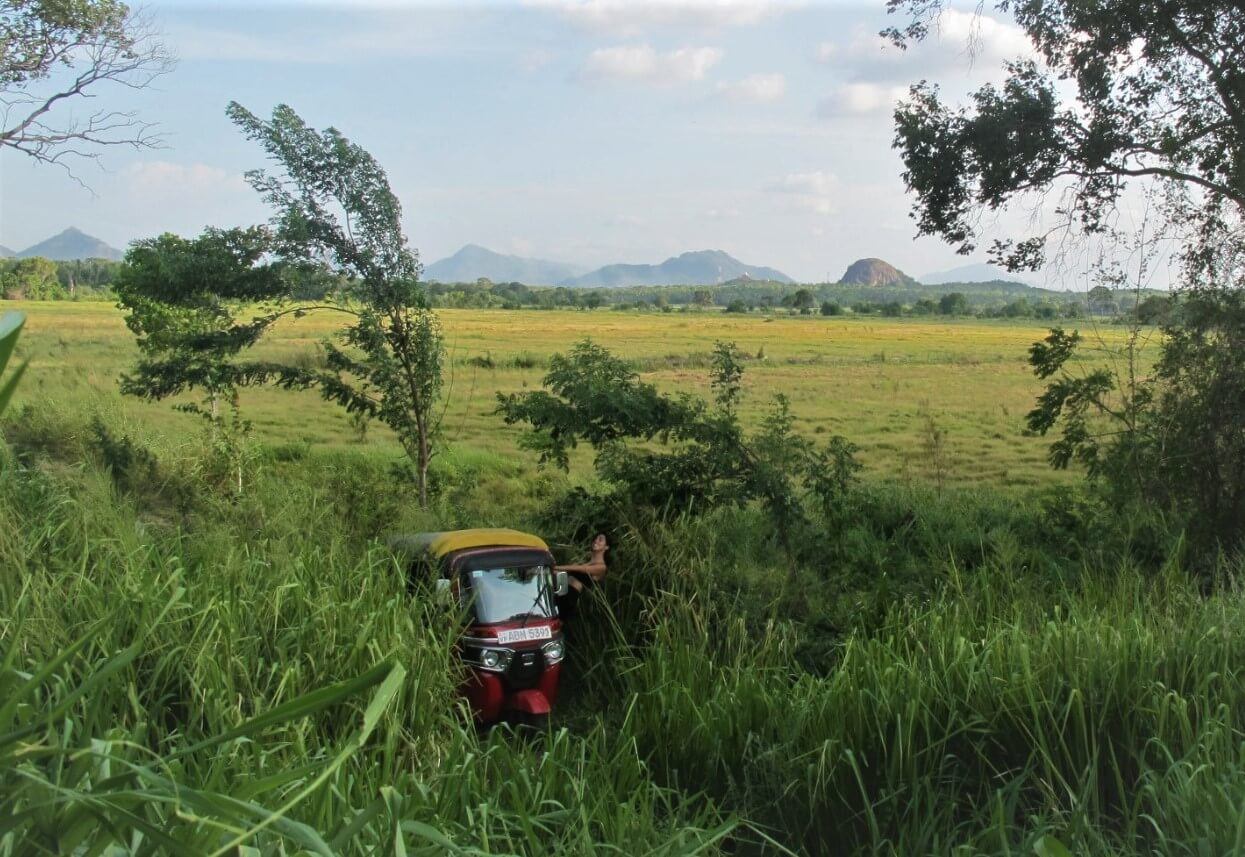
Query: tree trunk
{"x": 421, "y": 466}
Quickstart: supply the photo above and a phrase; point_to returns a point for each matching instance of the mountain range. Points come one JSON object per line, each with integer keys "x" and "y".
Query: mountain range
{"x": 977, "y": 273}
{"x": 699, "y": 268}
{"x": 69, "y": 245}
{"x": 473, "y": 262}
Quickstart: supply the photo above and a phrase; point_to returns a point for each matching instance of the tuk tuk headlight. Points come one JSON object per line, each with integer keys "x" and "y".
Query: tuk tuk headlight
{"x": 492, "y": 659}
{"x": 554, "y": 651}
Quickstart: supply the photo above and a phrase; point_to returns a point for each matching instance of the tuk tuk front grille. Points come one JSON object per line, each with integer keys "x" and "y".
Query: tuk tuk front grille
{"x": 525, "y": 669}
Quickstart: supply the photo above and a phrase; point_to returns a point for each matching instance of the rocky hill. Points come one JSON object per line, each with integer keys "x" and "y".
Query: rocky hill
{"x": 874, "y": 272}
{"x": 69, "y": 245}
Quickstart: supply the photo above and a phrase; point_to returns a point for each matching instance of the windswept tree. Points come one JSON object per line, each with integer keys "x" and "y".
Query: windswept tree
{"x": 196, "y": 305}
{"x": 334, "y": 210}
{"x": 58, "y": 55}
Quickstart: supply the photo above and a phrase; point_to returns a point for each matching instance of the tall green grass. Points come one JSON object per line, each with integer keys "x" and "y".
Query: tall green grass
{"x": 1003, "y": 714}
{"x": 190, "y": 672}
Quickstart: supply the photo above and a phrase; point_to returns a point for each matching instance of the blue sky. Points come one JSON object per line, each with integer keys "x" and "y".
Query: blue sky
{"x": 587, "y": 131}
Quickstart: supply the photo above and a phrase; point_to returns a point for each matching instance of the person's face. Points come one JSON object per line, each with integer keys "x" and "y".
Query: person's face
{"x": 599, "y": 543}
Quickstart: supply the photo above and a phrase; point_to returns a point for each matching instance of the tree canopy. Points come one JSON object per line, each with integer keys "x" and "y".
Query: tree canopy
{"x": 1159, "y": 95}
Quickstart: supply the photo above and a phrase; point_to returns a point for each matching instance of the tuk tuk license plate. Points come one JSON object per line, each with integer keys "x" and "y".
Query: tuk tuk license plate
{"x": 519, "y": 635}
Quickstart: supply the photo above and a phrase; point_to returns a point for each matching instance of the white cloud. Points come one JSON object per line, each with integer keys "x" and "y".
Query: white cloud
{"x": 982, "y": 38}
{"x": 860, "y": 99}
{"x": 723, "y": 213}
{"x": 628, "y": 18}
{"x": 815, "y": 191}
{"x": 756, "y": 89}
{"x": 958, "y": 41}
{"x": 644, "y": 64}
{"x": 166, "y": 177}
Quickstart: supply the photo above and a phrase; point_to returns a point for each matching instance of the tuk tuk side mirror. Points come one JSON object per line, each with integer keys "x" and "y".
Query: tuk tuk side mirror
{"x": 562, "y": 581}
{"x": 443, "y": 586}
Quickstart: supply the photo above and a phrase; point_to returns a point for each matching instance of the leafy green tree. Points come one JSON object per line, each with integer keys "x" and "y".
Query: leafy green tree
{"x": 335, "y": 209}
{"x": 1174, "y": 439}
{"x": 738, "y": 305}
{"x": 831, "y": 308}
{"x": 194, "y": 305}
{"x": 1154, "y": 309}
{"x": 892, "y": 309}
{"x": 189, "y": 304}
{"x": 33, "y": 279}
{"x": 954, "y": 303}
{"x": 56, "y": 55}
{"x": 803, "y": 299}
{"x": 702, "y": 297}
{"x": 676, "y": 452}
{"x": 1156, "y": 95}
{"x": 1019, "y": 308}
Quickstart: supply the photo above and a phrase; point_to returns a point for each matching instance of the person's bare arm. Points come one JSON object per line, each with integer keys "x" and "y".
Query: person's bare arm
{"x": 595, "y": 570}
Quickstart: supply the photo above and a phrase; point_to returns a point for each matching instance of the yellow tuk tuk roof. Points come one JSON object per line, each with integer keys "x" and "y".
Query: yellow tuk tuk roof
{"x": 442, "y": 544}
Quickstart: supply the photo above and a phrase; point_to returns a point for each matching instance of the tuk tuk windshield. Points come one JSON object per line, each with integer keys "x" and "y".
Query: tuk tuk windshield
{"x": 509, "y": 594}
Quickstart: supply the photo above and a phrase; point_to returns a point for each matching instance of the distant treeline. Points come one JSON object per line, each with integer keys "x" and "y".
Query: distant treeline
{"x": 999, "y": 299}
{"x": 91, "y": 279}
{"x": 40, "y": 279}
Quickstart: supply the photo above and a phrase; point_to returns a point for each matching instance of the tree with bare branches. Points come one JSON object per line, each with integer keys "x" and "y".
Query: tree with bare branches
{"x": 56, "y": 56}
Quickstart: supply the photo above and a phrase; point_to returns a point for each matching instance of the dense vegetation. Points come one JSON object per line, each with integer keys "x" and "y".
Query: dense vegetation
{"x": 941, "y": 671}
{"x": 42, "y": 279}
{"x": 983, "y": 300}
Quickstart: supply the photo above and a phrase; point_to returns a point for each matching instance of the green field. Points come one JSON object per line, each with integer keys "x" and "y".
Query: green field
{"x": 877, "y": 382}
{"x": 994, "y": 661}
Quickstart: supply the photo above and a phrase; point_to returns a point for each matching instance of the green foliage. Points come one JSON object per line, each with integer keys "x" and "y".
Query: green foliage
{"x": 831, "y": 308}
{"x": 1154, "y": 100}
{"x": 953, "y": 303}
{"x": 33, "y": 279}
{"x": 702, "y": 297}
{"x": 189, "y": 303}
{"x": 43, "y": 279}
{"x": 236, "y": 685}
{"x": 1155, "y": 309}
{"x": 1174, "y": 439}
{"x": 803, "y": 299}
{"x": 702, "y": 460}
{"x": 334, "y": 207}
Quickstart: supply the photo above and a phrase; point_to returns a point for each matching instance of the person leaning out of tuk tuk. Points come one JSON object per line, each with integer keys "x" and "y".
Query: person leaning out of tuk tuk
{"x": 584, "y": 576}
